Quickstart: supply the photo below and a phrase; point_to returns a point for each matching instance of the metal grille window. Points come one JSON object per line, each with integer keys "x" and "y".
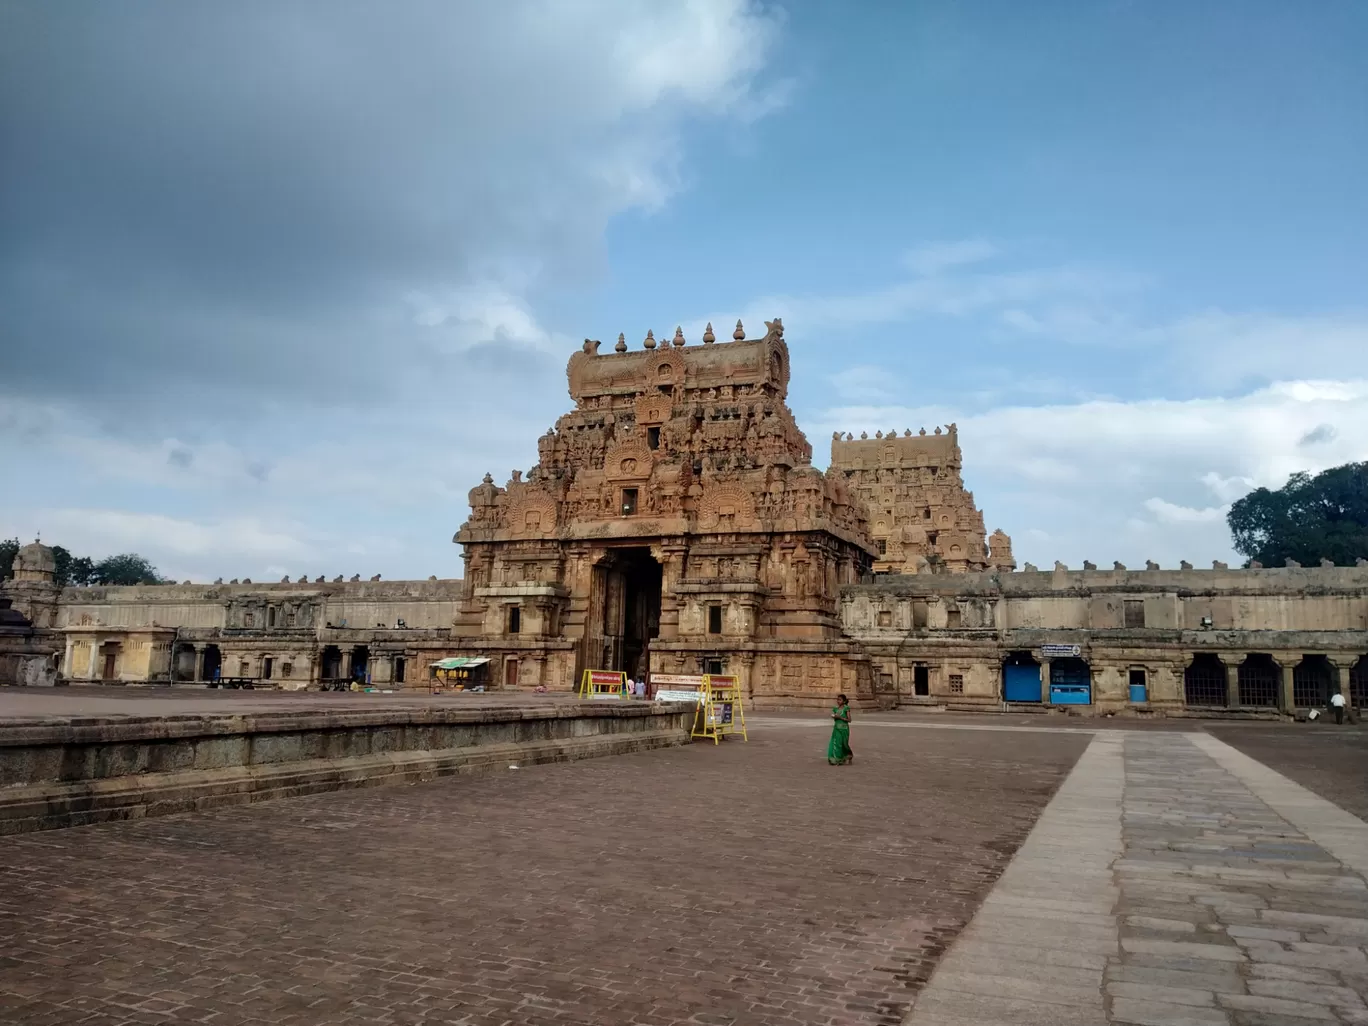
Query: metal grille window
{"x": 1259, "y": 676}
{"x": 1311, "y": 682}
{"x": 956, "y": 683}
{"x": 1204, "y": 682}
{"x": 1358, "y": 683}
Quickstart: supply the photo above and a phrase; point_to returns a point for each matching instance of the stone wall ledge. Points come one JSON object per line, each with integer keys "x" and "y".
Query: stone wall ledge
{"x": 78, "y": 803}
{"x": 107, "y": 729}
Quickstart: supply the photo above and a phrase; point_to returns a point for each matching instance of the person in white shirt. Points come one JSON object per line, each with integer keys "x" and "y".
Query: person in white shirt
{"x": 1337, "y": 703}
{"x": 631, "y": 688}
{"x": 641, "y": 688}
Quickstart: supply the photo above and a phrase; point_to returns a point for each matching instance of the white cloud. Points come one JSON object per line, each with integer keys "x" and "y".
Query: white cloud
{"x": 1109, "y": 479}
{"x": 1171, "y": 513}
{"x": 958, "y": 295}
{"x": 933, "y": 257}
{"x": 178, "y": 547}
{"x": 865, "y": 383}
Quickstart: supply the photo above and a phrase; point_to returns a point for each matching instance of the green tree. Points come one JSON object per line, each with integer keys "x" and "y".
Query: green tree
{"x": 127, "y": 568}
{"x": 71, "y": 569}
{"x": 62, "y": 575}
{"x": 1307, "y": 519}
{"x": 82, "y": 570}
{"x": 9, "y": 548}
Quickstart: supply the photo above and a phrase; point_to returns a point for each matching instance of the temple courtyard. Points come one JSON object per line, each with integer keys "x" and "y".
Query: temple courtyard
{"x": 990, "y": 869}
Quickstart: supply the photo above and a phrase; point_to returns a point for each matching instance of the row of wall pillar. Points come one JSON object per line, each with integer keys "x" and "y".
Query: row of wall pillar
{"x": 1287, "y": 668}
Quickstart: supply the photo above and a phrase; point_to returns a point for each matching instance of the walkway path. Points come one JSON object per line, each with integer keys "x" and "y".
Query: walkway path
{"x": 1172, "y": 881}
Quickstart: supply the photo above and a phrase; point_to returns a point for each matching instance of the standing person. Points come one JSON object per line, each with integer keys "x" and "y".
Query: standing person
{"x": 631, "y": 688}
{"x": 1337, "y": 703}
{"x": 641, "y": 688}
{"x": 838, "y": 751}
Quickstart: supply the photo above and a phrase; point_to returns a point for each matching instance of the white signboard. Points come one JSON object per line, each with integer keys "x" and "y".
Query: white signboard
{"x": 679, "y": 695}
{"x": 676, "y": 679}
{"x": 1050, "y": 651}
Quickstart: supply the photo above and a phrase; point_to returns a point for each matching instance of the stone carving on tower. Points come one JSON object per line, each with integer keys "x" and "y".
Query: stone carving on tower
{"x": 673, "y": 523}
{"x": 921, "y": 517}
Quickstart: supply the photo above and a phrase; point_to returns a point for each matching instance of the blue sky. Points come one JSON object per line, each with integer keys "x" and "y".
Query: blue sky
{"x": 281, "y": 284}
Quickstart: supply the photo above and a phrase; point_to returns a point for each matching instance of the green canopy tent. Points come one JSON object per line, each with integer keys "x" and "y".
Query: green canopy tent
{"x": 460, "y": 672}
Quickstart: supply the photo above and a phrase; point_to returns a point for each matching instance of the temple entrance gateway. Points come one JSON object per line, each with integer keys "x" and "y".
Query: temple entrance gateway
{"x": 626, "y": 605}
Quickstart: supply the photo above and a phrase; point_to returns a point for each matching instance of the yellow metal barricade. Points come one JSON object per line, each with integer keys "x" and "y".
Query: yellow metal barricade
{"x": 721, "y": 710}
{"x": 601, "y": 684}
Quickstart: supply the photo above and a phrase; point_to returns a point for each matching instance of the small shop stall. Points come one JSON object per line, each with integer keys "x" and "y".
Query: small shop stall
{"x": 460, "y": 673}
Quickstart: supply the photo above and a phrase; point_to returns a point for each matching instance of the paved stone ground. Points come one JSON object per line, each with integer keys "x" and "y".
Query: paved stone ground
{"x": 747, "y": 883}
{"x": 1331, "y": 761}
{"x": 1173, "y": 881}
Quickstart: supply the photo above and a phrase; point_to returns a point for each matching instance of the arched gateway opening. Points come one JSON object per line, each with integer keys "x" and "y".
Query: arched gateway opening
{"x": 625, "y": 603}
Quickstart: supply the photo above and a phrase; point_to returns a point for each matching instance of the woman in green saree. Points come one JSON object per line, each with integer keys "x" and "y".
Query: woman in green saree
{"x": 838, "y": 751}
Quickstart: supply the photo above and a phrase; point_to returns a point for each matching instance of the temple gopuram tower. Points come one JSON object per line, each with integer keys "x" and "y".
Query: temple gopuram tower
{"x": 921, "y": 517}
{"x": 674, "y": 523}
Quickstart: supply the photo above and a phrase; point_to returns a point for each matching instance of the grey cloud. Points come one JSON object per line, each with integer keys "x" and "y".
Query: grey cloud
{"x": 1319, "y": 433}
{"x": 216, "y": 218}
{"x": 234, "y": 197}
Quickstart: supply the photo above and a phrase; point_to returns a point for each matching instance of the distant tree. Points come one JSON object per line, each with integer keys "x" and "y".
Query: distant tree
{"x": 71, "y": 569}
{"x": 128, "y": 568}
{"x": 1307, "y": 519}
{"x": 62, "y": 575}
{"x": 9, "y": 548}
{"x": 82, "y": 571}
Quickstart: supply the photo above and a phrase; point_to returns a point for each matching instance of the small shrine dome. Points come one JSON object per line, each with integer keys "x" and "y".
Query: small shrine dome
{"x": 35, "y": 562}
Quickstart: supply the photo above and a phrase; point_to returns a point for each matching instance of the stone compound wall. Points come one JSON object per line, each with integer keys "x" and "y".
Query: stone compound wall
{"x": 956, "y": 631}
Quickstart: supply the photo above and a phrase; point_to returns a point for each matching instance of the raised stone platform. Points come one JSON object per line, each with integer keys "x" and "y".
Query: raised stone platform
{"x": 68, "y": 759}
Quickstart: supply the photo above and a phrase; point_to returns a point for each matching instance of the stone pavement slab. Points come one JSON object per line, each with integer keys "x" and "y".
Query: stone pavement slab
{"x": 1214, "y": 891}
{"x": 743, "y": 883}
{"x": 1330, "y": 760}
